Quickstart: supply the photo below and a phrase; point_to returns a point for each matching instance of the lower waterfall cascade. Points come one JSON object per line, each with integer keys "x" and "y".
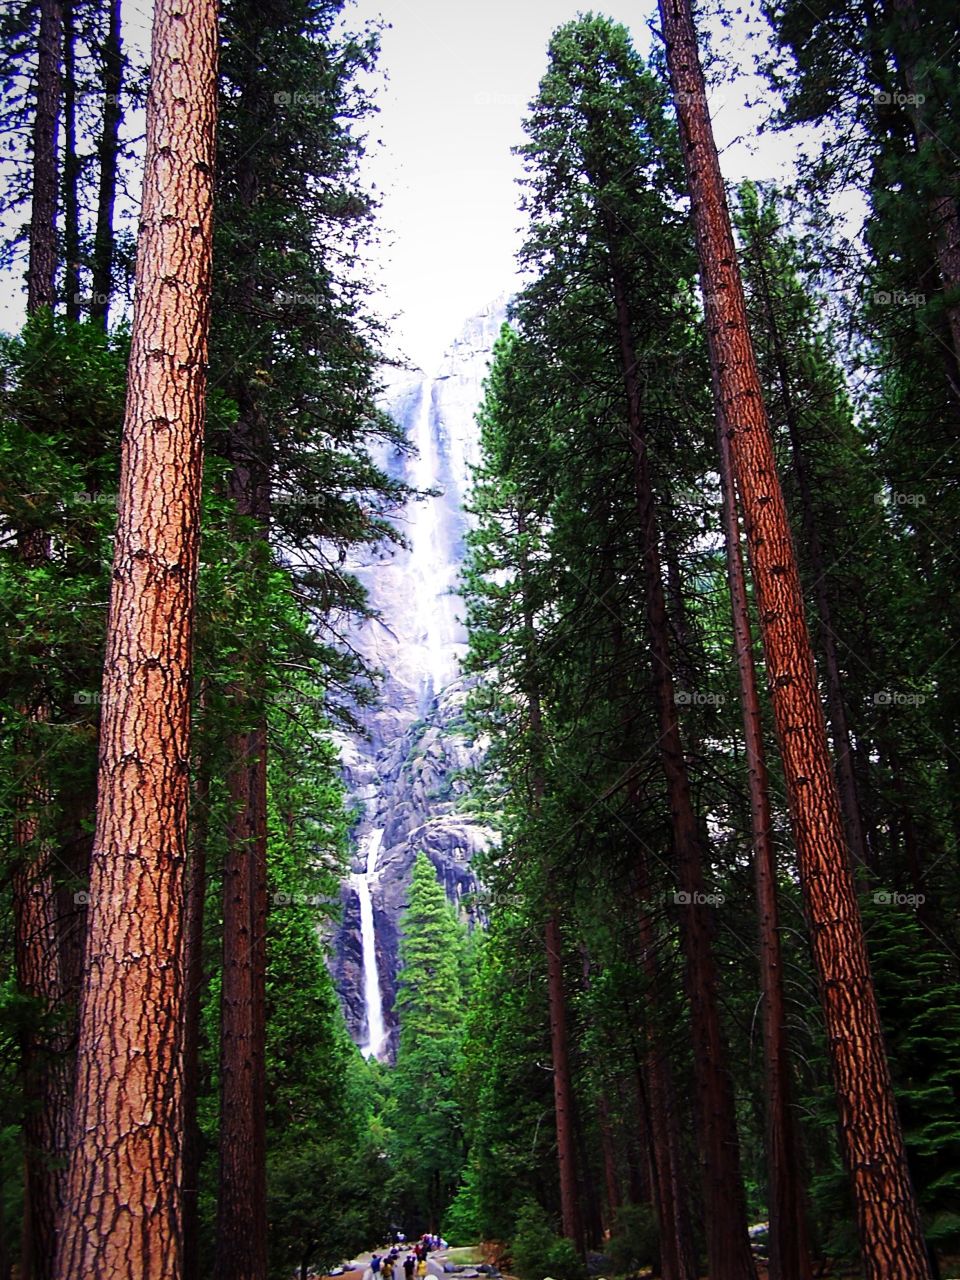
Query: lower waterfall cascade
{"x": 372, "y": 997}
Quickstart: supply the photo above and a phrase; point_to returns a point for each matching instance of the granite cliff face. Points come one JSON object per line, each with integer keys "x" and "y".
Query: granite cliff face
{"x": 403, "y": 775}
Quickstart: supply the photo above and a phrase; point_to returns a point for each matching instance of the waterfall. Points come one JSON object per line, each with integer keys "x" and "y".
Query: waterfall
{"x": 430, "y": 564}
{"x": 372, "y": 1000}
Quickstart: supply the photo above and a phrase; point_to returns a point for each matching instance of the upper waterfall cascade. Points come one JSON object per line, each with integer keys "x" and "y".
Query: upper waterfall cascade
{"x": 403, "y": 772}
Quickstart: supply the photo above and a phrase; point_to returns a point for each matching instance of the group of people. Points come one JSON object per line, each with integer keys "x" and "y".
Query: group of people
{"x": 414, "y": 1264}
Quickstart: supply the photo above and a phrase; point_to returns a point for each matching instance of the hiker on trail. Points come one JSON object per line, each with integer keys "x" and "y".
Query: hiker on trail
{"x": 375, "y": 1264}
{"x": 409, "y": 1263}
{"x": 386, "y": 1267}
{"x": 422, "y": 1267}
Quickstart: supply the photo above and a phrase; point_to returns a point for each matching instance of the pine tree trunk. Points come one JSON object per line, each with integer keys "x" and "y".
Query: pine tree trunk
{"x": 728, "y": 1244}
{"x": 836, "y": 701}
{"x": 42, "y": 265}
{"x": 787, "y": 1251}
{"x": 242, "y": 1207}
{"x": 562, "y": 1087}
{"x": 71, "y": 169}
{"x": 572, "y": 1225}
{"x": 47, "y": 1065}
{"x": 677, "y": 1260}
{"x": 122, "y": 1218}
{"x": 887, "y": 1215}
{"x": 943, "y": 211}
{"x": 611, "y": 1178}
{"x": 193, "y": 980}
{"x": 107, "y": 153}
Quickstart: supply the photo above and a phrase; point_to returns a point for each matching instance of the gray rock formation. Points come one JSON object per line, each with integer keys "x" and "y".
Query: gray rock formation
{"x": 404, "y": 775}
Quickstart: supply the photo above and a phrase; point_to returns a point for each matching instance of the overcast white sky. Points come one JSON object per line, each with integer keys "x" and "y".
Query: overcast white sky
{"x": 453, "y": 86}
{"x": 459, "y": 77}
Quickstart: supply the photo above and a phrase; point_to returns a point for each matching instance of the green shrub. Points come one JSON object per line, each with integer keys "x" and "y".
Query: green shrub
{"x": 635, "y": 1239}
{"x": 538, "y": 1252}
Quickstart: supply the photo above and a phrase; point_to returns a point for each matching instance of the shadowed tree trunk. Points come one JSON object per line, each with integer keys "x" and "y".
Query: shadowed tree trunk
{"x": 728, "y": 1244}
{"x": 71, "y": 168}
{"x": 887, "y": 1216}
{"x": 943, "y": 211}
{"x": 242, "y": 1202}
{"x": 193, "y": 979}
{"x": 42, "y": 265}
{"x": 563, "y": 1103}
{"x": 36, "y": 952}
{"x": 107, "y": 157}
{"x": 787, "y": 1250}
{"x": 122, "y": 1217}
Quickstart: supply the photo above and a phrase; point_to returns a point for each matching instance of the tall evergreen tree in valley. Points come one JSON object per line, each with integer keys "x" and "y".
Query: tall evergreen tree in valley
{"x": 430, "y": 1002}
{"x": 122, "y": 1207}
{"x": 597, "y": 138}
{"x": 888, "y": 1219}
{"x": 294, "y": 351}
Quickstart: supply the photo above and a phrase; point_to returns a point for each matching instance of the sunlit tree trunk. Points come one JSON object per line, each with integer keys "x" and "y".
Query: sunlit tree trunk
{"x": 887, "y": 1216}
{"x": 836, "y": 700}
{"x": 122, "y": 1216}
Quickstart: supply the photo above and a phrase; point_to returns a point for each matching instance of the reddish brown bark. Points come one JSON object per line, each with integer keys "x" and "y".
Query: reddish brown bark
{"x": 122, "y": 1217}
{"x": 788, "y": 1252}
{"x": 42, "y": 264}
{"x": 836, "y": 700}
{"x": 887, "y": 1216}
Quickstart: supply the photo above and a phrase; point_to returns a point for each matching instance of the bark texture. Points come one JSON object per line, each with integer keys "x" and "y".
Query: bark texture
{"x": 42, "y": 264}
{"x": 122, "y": 1220}
{"x": 887, "y": 1216}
